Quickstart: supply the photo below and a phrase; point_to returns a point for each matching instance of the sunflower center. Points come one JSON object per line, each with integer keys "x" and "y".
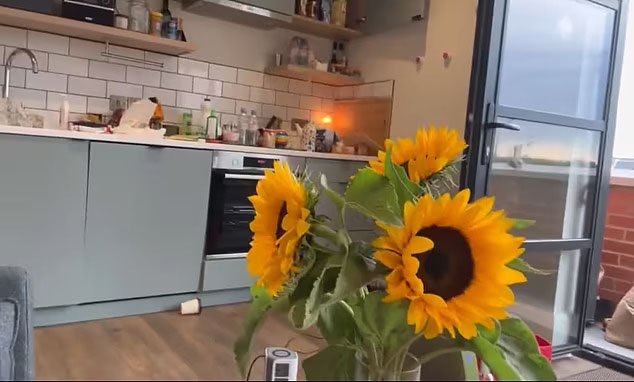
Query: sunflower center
{"x": 280, "y": 218}
{"x": 447, "y": 269}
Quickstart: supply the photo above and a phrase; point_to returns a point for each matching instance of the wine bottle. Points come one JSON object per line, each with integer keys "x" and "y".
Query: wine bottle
{"x": 167, "y": 17}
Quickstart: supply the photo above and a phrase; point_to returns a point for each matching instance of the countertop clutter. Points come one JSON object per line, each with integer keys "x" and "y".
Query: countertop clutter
{"x": 166, "y": 142}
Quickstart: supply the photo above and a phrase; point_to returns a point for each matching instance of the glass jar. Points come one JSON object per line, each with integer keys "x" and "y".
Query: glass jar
{"x": 156, "y": 23}
{"x": 139, "y": 16}
{"x": 403, "y": 368}
{"x": 339, "y": 10}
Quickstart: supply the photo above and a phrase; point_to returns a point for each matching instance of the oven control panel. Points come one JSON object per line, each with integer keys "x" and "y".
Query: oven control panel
{"x": 245, "y": 161}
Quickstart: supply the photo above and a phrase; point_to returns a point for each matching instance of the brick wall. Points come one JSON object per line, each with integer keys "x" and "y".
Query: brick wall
{"x": 618, "y": 246}
{"x": 76, "y": 67}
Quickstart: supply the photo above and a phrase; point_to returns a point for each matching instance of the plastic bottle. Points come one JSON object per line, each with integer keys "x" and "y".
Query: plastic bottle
{"x": 64, "y": 110}
{"x": 253, "y": 129}
{"x": 243, "y": 126}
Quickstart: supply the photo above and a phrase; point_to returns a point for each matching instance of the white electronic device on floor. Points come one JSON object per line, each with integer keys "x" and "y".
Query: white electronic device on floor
{"x": 281, "y": 364}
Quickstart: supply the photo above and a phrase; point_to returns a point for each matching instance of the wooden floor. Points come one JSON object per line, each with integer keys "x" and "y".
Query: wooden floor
{"x": 157, "y": 346}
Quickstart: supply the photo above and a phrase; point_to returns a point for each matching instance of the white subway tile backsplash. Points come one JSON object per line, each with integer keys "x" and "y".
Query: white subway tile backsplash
{"x": 98, "y": 105}
{"x": 123, "y": 89}
{"x": 276, "y": 83}
{"x": 327, "y": 105}
{"x": 87, "y": 86}
{"x": 68, "y": 65}
{"x": 193, "y": 68}
{"x": 248, "y": 106}
{"x": 323, "y": 91}
{"x": 165, "y": 97}
{"x": 251, "y": 78}
{"x": 77, "y": 103}
{"x": 344, "y": 92}
{"x": 51, "y": 118}
{"x": 143, "y": 76}
{"x": 300, "y": 87}
{"x": 228, "y": 119}
{"x": 13, "y": 37}
{"x": 23, "y": 61}
{"x": 87, "y": 49}
{"x": 189, "y": 100}
{"x": 176, "y": 82}
{"x": 48, "y": 42}
{"x": 223, "y": 105}
{"x": 312, "y": 103}
{"x": 170, "y": 63}
{"x": 208, "y": 87}
{"x": 223, "y": 73}
{"x": 262, "y": 95}
{"x": 286, "y": 99}
{"x": 106, "y": 71}
{"x": 127, "y": 52}
{"x": 18, "y": 77}
{"x": 173, "y": 114}
{"x": 235, "y": 91}
{"x": 47, "y": 81}
{"x": 269, "y": 111}
{"x": 382, "y": 89}
{"x": 29, "y": 97}
{"x": 298, "y": 114}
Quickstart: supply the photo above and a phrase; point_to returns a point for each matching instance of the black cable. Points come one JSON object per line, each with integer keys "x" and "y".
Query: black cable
{"x": 253, "y": 363}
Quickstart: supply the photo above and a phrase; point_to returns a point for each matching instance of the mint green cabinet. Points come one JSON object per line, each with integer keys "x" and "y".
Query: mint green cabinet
{"x": 146, "y": 220}
{"x": 43, "y": 185}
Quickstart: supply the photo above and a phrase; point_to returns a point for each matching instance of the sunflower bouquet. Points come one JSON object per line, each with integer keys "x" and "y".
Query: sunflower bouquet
{"x": 439, "y": 270}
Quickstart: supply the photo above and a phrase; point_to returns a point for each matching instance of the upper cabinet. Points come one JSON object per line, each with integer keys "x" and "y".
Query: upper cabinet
{"x": 377, "y": 16}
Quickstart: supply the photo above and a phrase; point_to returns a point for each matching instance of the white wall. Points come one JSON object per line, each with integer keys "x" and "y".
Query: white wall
{"x": 233, "y": 44}
{"x": 623, "y": 147}
{"x": 435, "y": 94}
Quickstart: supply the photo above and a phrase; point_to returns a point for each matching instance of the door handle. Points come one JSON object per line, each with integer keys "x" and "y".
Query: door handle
{"x": 503, "y": 125}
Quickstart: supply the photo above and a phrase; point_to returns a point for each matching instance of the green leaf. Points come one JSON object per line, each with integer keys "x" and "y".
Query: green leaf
{"x": 522, "y": 223}
{"x": 406, "y": 190}
{"x": 493, "y": 357}
{"x": 336, "y": 324}
{"x": 336, "y": 198}
{"x": 374, "y": 196}
{"x": 261, "y": 304}
{"x": 334, "y": 363}
{"x": 518, "y": 343}
{"x": 521, "y": 265}
{"x": 490, "y": 335}
{"x": 357, "y": 271}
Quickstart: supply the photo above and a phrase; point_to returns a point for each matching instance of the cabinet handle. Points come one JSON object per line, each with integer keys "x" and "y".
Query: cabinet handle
{"x": 227, "y": 256}
{"x": 244, "y": 176}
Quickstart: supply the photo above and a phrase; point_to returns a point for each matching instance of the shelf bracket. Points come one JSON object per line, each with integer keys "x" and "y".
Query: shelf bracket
{"x": 109, "y": 54}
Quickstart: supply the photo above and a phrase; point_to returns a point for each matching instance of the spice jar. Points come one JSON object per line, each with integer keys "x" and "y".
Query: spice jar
{"x": 156, "y": 22}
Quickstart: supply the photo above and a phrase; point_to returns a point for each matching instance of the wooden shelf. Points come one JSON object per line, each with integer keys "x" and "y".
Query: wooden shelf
{"x": 73, "y": 28}
{"x": 316, "y": 27}
{"x": 309, "y": 74}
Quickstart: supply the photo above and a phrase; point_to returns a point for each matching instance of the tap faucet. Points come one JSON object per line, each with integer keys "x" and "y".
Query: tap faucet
{"x": 7, "y": 68}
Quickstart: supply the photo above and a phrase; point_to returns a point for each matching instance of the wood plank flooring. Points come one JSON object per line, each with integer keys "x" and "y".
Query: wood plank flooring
{"x": 162, "y": 346}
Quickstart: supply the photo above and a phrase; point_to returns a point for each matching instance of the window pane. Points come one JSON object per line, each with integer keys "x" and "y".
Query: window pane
{"x": 557, "y": 60}
{"x": 551, "y": 305}
{"x": 548, "y": 174}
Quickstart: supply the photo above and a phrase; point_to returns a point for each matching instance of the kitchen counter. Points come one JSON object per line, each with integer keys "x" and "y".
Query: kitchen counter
{"x": 165, "y": 142}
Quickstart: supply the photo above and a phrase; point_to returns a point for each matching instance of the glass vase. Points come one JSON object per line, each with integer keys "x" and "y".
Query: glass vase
{"x": 404, "y": 368}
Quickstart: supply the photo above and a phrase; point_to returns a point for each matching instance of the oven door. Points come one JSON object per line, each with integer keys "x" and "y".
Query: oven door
{"x": 230, "y": 213}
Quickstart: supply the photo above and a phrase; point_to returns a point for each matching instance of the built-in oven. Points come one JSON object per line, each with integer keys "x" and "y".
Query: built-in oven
{"x": 234, "y": 179}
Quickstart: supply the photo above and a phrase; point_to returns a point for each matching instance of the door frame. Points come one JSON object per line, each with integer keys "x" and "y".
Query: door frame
{"x": 486, "y": 62}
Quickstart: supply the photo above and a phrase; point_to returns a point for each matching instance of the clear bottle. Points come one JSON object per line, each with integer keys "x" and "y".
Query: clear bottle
{"x": 253, "y": 129}
{"x": 139, "y": 16}
{"x": 243, "y": 126}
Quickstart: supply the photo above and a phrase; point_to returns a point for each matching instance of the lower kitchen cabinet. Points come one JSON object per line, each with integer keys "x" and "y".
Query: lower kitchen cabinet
{"x": 42, "y": 211}
{"x": 146, "y": 220}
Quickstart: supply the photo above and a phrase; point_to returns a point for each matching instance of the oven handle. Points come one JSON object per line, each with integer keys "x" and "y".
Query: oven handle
{"x": 227, "y": 256}
{"x": 244, "y": 176}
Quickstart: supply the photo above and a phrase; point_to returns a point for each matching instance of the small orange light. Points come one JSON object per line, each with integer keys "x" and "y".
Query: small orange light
{"x": 326, "y": 120}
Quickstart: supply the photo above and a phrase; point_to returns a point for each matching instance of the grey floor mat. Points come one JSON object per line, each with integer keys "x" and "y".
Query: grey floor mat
{"x": 601, "y": 374}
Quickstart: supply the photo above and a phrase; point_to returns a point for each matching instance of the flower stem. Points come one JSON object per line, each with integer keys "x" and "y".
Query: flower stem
{"x": 430, "y": 356}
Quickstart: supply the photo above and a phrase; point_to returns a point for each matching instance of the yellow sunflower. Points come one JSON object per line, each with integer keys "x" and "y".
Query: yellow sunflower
{"x": 434, "y": 150}
{"x": 280, "y": 222}
{"x": 450, "y": 260}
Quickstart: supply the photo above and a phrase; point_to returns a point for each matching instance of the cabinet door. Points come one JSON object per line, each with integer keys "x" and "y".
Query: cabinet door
{"x": 146, "y": 220}
{"x": 377, "y": 16}
{"x": 42, "y": 211}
